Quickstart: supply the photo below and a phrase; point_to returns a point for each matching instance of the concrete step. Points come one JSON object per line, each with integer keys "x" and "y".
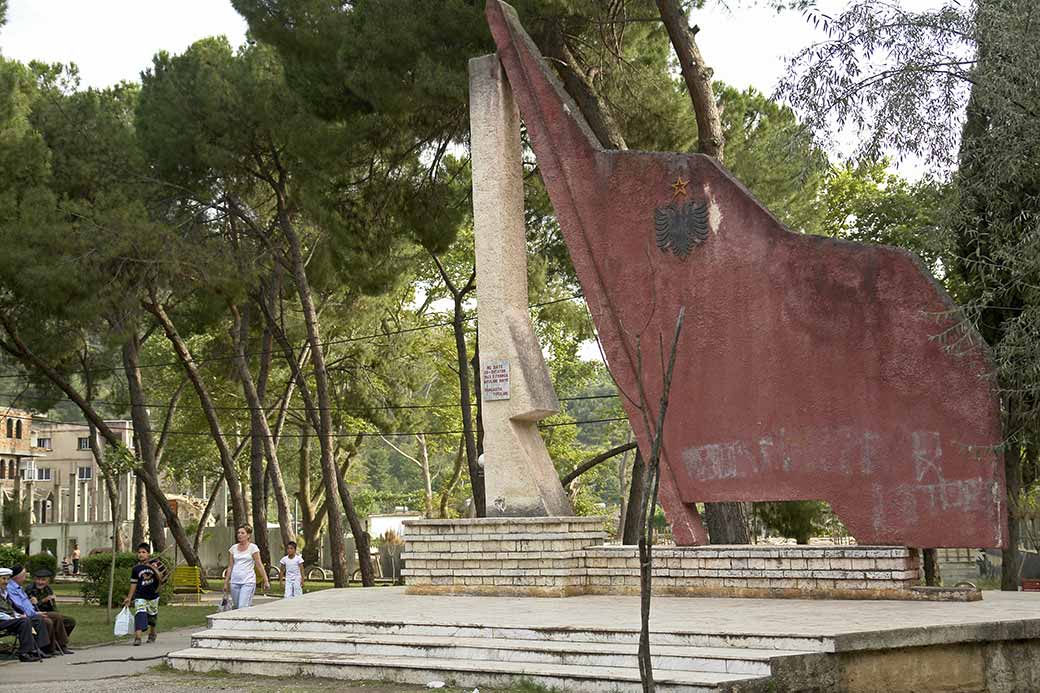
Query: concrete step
{"x": 463, "y": 673}
{"x": 666, "y": 657}
{"x": 244, "y": 621}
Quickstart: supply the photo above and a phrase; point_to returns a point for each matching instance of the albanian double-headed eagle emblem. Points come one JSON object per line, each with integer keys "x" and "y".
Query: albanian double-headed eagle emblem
{"x": 681, "y": 225}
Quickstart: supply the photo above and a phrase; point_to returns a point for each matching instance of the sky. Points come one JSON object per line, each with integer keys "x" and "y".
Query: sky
{"x": 114, "y": 40}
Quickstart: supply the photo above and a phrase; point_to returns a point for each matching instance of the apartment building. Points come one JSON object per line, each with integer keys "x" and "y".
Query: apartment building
{"x": 16, "y": 451}
{"x": 67, "y": 481}
{"x": 50, "y": 467}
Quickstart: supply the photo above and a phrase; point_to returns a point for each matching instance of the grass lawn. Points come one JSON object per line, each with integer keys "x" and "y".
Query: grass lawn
{"x": 92, "y": 628}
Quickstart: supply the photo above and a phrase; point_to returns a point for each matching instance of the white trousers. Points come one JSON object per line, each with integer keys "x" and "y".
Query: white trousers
{"x": 242, "y": 595}
{"x": 293, "y": 588}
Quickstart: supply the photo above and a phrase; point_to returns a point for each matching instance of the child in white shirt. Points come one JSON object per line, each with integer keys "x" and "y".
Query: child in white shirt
{"x": 292, "y": 571}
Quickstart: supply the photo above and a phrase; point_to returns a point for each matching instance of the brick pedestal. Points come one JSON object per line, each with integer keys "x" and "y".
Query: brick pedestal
{"x": 562, "y": 556}
{"x": 761, "y": 570}
{"x": 529, "y": 556}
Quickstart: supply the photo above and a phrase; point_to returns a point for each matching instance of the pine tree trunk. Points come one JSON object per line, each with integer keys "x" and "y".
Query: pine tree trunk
{"x": 930, "y": 560}
{"x": 206, "y": 512}
{"x": 334, "y": 481}
{"x": 310, "y": 519}
{"x": 580, "y": 88}
{"x": 476, "y": 474}
{"x": 726, "y": 523}
{"x": 630, "y": 536}
{"x": 140, "y": 503}
{"x": 479, "y": 401}
{"x": 456, "y": 474}
{"x": 263, "y": 446}
{"x": 697, "y": 75}
{"x": 424, "y": 465}
{"x": 257, "y": 429}
{"x": 144, "y": 442}
{"x": 238, "y": 502}
{"x": 1011, "y": 557}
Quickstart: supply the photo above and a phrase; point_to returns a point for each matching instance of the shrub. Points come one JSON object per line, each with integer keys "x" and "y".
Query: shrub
{"x": 41, "y": 560}
{"x": 798, "y": 520}
{"x": 96, "y": 568}
{"x": 11, "y": 555}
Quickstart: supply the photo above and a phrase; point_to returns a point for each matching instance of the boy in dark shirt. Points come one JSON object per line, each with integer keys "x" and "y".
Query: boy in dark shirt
{"x": 144, "y": 593}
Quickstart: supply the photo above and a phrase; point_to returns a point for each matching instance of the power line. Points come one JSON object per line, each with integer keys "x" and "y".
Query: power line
{"x": 331, "y": 342}
{"x": 376, "y": 434}
{"x": 357, "y": 409}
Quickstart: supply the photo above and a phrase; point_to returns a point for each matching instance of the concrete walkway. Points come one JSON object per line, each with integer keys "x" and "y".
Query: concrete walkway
{"x": 68, "y": 673}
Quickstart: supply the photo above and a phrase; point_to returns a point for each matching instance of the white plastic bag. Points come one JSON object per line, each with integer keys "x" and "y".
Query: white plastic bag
{"x": 123, "y": 621}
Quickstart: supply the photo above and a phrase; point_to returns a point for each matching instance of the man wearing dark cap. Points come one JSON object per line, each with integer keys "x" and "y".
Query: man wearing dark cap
{"x": 30, "y": 644}
{"x": 16, "y": 595}
{"x": 42, "y": 597}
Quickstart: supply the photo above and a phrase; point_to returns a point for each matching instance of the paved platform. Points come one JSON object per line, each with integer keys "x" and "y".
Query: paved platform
{"x": 849, "y": 625}
{"x": 584, "y": 643}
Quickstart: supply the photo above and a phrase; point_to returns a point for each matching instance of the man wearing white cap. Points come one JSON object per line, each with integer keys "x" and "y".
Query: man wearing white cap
{"x": 11, "y": 622}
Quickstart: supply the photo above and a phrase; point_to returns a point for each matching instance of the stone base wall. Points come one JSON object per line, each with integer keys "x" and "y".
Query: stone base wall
{"x": 533, "y": 556}
{"x": 560, "y": 556}
{"x": 763, "y": 570}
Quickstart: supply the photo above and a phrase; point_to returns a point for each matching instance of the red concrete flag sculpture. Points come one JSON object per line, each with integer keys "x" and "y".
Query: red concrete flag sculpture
{"x": 809, "y": 368}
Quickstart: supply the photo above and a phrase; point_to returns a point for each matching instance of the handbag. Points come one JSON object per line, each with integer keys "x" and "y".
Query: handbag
{"x": 225, "y": 604}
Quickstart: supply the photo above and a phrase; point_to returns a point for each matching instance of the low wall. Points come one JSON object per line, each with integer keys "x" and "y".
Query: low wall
{"x": 563, "y": 556}
{"x": 87, "y": 535}
{"x": 537, "y": 556}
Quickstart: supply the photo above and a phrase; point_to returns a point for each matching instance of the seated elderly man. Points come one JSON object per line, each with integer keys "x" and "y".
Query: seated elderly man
{"x": 42, "y": 597}
{"x": 30, "y": 641}
{"x": 16, "y": 595}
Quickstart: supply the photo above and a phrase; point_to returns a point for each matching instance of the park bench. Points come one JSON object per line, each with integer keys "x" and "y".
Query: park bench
{"x": 188, "y": 578}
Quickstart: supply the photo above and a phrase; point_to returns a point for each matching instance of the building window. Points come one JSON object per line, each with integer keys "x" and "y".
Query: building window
{"x": 84, "y": 443}
{"x": 85, "y": 474}
{"x": 44, "y": 443}
{"x": 3, "y": 469}
{"x": 10, "y": 469}
{"x": 43, "y": 474}
{"x": 10, "y": 428}
{"x": 18, "y": 429}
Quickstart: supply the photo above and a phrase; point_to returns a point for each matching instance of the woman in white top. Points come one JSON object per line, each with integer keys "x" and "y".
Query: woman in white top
{"x": 243, "y": 563}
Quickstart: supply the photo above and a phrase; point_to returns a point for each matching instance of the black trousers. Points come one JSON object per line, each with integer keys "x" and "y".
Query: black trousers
{"x": 22, "y": 629}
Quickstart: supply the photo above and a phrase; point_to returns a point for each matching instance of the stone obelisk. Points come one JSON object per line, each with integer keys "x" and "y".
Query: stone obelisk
{"x": 517, "y": 392}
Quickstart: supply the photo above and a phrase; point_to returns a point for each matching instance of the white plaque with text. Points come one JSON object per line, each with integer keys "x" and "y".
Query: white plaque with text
{"x": 495, "y": 379}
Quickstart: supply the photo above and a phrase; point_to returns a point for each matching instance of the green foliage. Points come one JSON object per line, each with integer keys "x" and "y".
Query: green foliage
{"x": 11, "y": 555}
{"x": 772, "y": 153}
{"x": 96, "y": 568}
{"x": 866, "y": 202}
{"x": 16, "y": 524}
{"x": 42, "y": 560}
{"x": 370, "y": 502}
{"x": 798, "y": 520}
